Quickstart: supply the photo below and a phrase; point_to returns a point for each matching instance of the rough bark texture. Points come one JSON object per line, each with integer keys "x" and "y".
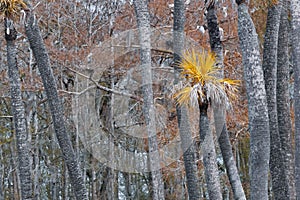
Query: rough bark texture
{"x": 219, "y": 110}
{"x": 295, "y": 9}
{"x": 143, "y": 21}
{"x": 214, "y": 36}
{"x": 18, "y": 110}
{"x": 187, "y": 143}
{"x": 257, "y": 105}
{"x": 279, "y": 178}
{"x": 55, "y": 105}
{"x": 209, "y": 156}
{"x": 283, "y": 100}
{"x": 230, "y": 164}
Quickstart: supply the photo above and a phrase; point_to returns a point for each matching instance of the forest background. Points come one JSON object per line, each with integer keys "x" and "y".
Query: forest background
{"x": 98, "y": 143}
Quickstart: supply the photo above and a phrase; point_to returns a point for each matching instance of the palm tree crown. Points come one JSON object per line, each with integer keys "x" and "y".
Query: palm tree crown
{"x": 203, "y": 84}
{"x": 11, "y": 8}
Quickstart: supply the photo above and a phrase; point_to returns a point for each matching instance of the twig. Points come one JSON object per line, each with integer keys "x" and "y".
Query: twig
{"x": 78, "y": 93}
{"x": 6, "y": 116}
{"x": 238, "y": 132}
{"x": 138, "y": 46}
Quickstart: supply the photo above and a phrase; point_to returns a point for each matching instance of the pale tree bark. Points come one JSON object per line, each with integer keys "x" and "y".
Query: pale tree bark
{"x": 112, "y": 192}
{"x": 219, "y": 110}
{"x": 257, "y": 105}
{"x": 1, "y": 176}
{"x": 295, "y": 10}
{"x": 187, "y": 143}
{"x": 56, "y": 107}
{"x": 209, "y": 154}
{"x": 14, "y": 188}
{"x": 279, "y": 178}
{"x": 143, "y": 21}
{"x": 283, "y": 100}
{"x": 18, "y": 110}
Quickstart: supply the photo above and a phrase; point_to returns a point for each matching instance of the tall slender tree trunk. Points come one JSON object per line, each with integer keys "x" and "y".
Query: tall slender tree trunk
{"x": 209, "y": 155}
{"x": 187, "y": 143}
{"x": 1, "y": 177}
{"x": 56, "y": 107}
{"x": 18, "y": 110}
{"x": 219, "y": 110}
{"x": 283, "y": 100}
{"x": 279, "y": 179}
{"x": 143, "y": 21}
{"x": 257, "y": 105}
{"x": 15, "y": 189}
{"x": 295, "y": 9}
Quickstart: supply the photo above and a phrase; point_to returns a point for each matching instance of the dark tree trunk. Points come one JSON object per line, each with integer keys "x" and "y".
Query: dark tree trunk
{"x": 143, "y": 21}
{"x": 18, "y": 110}
{"x": 187, "y": 143}
{"x": 257, "y": 105}
{"x": 209, "y": 155}
{"x": 279, "y": 179}
{"x": 295, "y": 9}
{"x": 219, "y": 110}
{"x": 283, "y": 100}
{"x": 56, "y": 107}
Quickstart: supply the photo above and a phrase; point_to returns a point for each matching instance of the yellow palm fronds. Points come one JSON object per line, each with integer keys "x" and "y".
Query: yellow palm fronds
{"x": 189, "y": 95}
{"x": 203, "y": 84}
{"x": 11, "y": 8}
{"x": 198, "y": 67}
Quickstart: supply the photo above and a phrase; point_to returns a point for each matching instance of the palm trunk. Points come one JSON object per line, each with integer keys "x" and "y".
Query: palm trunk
{"x": 219, "y": 110}
{"x": 2, "y": 188}
{"x": 15, "y": 190}
{"x": 209, "y": 155}
{"x": 18, "y": 110}
{"x": 295, "y": 9}
{"x": 143, "y": 21}
{"x": 257, "y": 105}
{"x": 283, "y": 100}
{"x": 230, "y": 164}
{"x": 279, "y": 179}
{"x": 187, "y": 143}
{"x": 55, "y": 105}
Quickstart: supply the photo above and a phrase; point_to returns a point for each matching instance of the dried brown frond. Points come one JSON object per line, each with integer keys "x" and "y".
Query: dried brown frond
{"x": 11, "y": 8}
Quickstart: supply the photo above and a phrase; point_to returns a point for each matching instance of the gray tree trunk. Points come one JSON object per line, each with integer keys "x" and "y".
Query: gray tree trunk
{"x": 283, "y": 100}
{"x": 18, "y": 110}
{"x": 257, "y": 105}
{"x": 56, "y": 107}
{"x": 143, "y": 21}
{"x": 187, "y": 143}
{"x": 295, "y": 9}
{"x": 279, "y": 178}
{"x": 1, "y": 176}
{"x": 209, "y": 155}
{"x": 219, "y": 111}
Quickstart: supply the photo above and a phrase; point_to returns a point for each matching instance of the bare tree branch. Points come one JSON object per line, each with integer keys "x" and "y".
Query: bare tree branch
{"x": 102, "y": 87}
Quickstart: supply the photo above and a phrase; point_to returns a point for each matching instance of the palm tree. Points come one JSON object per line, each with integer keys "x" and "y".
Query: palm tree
{"x": 283, "y": 99}
{"x": 277, "y": 169}
{"x": 143, "y": 21}
{"x": 219, "y": 111}
{"x": 10, "y": 10}
{"x": 257, "y": 104}
{"x": 41, "y": 56}
{"x": 202, "y": 88}
{"x": 295, "y": 10}
{"x": 186, "y": 138}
